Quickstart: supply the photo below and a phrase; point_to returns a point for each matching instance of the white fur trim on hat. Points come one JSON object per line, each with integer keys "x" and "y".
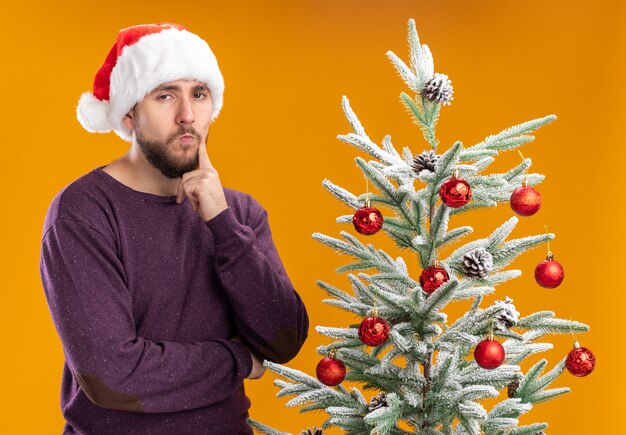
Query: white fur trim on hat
{"x": 93, "y": 114}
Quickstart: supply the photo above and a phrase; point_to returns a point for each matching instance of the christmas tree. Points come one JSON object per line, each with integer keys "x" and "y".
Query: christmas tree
{"x": 423, "y": 371}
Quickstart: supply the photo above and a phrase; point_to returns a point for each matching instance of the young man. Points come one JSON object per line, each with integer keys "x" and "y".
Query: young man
{"x": 166, "y": 289}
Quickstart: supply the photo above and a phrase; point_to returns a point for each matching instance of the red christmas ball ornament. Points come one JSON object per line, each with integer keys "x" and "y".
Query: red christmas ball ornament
{"x": 367, "y": 220}
{"x": 549, "y": 273}
{"x": 374, "y": 331}
{"x": 489, "y": 353}
{"x": 455, "y": 192}
{"x": 525, "y": 200}
{"x": 331, "y": 371}
{"x": 580, "y": 361}
{"x": 432, "y": 277}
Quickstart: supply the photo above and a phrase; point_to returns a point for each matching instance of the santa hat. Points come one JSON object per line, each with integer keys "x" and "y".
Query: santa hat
{"x": 142, "y": 58}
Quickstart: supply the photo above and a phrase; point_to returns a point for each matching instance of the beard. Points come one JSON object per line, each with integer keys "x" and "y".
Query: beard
{"x": 156, "y": 152}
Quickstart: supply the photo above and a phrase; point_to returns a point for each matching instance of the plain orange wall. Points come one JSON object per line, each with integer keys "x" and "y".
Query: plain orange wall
{"x": 286, "y": 66}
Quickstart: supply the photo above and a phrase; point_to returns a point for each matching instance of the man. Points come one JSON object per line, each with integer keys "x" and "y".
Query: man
{"x": 165, "y": 288}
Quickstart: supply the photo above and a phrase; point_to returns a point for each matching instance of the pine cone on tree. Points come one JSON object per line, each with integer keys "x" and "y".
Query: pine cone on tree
{"x": 509, "y": 316}
{"x": 438, "y": 89}
{"x": 477, "y": 263}
{"x": 426, "y": 160}
{"x": 314, "y": 431}
{"x": 512, "y": 389}
{"x": 378, "y": 401}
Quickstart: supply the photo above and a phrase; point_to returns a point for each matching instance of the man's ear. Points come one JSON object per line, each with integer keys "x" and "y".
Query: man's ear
{"x": 129, "y": 119}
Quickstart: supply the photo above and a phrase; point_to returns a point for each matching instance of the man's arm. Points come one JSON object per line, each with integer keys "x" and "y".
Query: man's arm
{"x": 270, "y": 316}
{"x": 92, "y": 311}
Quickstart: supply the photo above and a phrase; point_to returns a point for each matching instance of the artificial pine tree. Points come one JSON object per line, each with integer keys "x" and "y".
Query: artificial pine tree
{"x": 429, "y": 373}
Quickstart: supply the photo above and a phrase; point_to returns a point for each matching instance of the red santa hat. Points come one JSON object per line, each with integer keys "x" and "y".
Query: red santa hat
{"x": 142, "y": 58}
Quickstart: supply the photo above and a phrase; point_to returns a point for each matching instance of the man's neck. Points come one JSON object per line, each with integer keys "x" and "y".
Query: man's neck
{"x": 133, "y": 170}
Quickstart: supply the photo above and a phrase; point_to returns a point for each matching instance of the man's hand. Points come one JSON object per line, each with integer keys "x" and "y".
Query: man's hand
{"x": 203, "y": 188}
{"x": 257, "y": 365}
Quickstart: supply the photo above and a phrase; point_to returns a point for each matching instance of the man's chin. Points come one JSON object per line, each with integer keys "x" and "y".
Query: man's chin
{"x": 179, "y": 170}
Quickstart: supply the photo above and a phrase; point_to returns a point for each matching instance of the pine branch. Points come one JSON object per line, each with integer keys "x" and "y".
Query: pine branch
{"x": 356, "y": 125}
{"x": 360, "y": 290}
{"x": 503, "y": 140}
{"x": 559, "y": 326}
{"x": 532, "y": 386}
{"x": 338, "y": 332}
{"x": 421, "y": 58}
{"x": 473, "y": 292}
{"x": 518, "y": 352}
{"x": 503, "y": 256}
{"x": 384, "y": 186}
{"x": 545, "y": 395}
{"x": 404, "y": 72}
{"x": 383, "y": 419}
{"x": 353, "y": 307}
{"x": 469, "y": 155}
{"x": 453, "y": 235}
{"x": 354, "y": 248}
{"x": 437, "y": 300}
{"x": 342, "y": 194}
{"x": 335, "y": 345}
{"x": 334, "y": 291}
{"x": 425, "y": 114}
{"x": 529, "y": 430}
{"x": 294, "y": 375}
{"x": 264, "y": 429}
{"x": 443, "y": 169}
{"x": 287, "y": 388}
{"x": 518, "y": 170}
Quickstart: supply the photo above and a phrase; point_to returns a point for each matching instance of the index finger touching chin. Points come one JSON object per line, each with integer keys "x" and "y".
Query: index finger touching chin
{"x": 203, "y": 157}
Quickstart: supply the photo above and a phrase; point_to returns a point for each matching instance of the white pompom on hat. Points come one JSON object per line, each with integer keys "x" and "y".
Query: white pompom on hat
{"x": 142, "y": 58}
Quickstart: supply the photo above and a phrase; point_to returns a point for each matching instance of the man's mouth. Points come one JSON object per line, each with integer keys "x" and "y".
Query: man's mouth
{"x": 187, "y": 138}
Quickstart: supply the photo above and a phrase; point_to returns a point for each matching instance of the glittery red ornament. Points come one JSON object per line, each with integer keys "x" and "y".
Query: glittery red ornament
{"x": 330, "y": 371}
{"x": 367, "y": 220}
{"x": 455, "y": 192}
{"x": 525, "y": 200}
{"x": 580, "y": 361}
{"x": 489, "y": 354}
{"x": 432, "y": 277}
{"x": 374, "y": 331}
{"x": 549, "y": 273}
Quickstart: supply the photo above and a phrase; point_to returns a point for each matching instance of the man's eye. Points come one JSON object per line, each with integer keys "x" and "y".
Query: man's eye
{"x": 199, "y": 95}
{"x": 163, "y": 96}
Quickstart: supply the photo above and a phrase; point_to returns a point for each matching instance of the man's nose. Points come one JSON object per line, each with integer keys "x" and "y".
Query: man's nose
{"x": 185, "y": 113}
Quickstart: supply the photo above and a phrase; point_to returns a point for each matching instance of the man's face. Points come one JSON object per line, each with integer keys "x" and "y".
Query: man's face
{"x": 170, "y": 123}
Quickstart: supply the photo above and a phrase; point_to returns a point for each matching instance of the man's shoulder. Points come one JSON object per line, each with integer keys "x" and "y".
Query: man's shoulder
{"x": 83, "y": 200}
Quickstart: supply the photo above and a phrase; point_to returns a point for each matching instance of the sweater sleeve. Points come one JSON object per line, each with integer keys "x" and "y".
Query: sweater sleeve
{"x": 91, "y": 307}
{"x": 269, "y": 314}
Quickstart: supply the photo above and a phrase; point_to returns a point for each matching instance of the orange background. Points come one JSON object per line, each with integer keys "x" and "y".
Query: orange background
{"x": 286, "y": 66}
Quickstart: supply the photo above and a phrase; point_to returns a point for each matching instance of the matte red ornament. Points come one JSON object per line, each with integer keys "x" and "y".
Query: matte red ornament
{"x": 432, "y": 277}
{"x": 549, "y": 273}
{"x": 455, "y": 192}
{"x": 367, "y": 220}
{"x": 331, "y": 371}
{"x": 525, "y": 200}
{"x": 580, "y": 361}
{"x": 489, "y": 354}
{"x": 374, "y": 331}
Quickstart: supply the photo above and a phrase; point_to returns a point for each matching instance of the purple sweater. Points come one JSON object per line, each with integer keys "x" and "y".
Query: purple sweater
{"x": 146, "y": 297}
